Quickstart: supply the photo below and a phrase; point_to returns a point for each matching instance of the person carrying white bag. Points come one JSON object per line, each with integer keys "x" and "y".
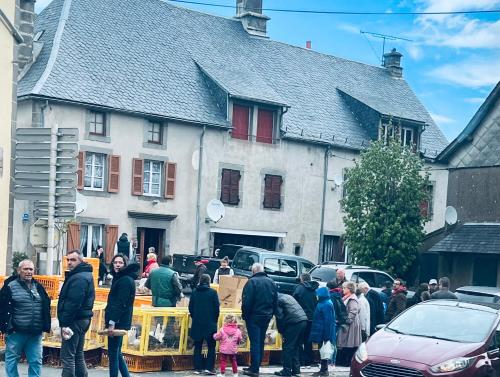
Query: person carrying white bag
{"x": 323, "y": 329}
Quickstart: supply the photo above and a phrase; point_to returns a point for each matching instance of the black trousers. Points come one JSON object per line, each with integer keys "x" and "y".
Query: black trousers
{"x": 306, "y": 349}
{"x": 198, "y": 357}
{"x": 72, "y": 358}
{"x": 293, "y": 336}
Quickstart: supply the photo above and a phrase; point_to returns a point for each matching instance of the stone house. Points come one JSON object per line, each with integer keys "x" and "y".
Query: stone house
{"x": 177, "y": 107}
{"x": 469, "y": 251}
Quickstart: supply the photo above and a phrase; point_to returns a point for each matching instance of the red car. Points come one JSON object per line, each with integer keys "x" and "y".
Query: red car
{"x": 434, "y": 338}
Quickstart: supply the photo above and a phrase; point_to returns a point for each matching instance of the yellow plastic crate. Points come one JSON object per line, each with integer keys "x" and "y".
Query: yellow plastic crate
{"x": 101, "y": 294}
{"x": 94, "y": 262}
{"x": 143, "y": 301}
{"x": 2, "y": 341}
{"x": 2, "y": 279}
{"x": 273, "y": 337}
{"x": 51, "y": 283}
{"x": 133, "y": 342}
{"x": 165, "y": 328}
{"x": 137, "y": 364}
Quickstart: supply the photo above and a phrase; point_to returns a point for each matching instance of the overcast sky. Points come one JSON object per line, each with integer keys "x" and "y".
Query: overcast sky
{"x": 452, "y": 61}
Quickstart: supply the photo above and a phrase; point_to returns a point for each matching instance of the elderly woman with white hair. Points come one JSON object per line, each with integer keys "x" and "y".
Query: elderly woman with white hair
{"x": 152, "y": 264}
{"x": 349, "y": 337}
{"x": 364, "y": 312}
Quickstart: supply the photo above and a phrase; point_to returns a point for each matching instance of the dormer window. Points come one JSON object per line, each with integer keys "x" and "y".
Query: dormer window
{"x": 407, "y": 137}
{"x": 254, "y": 123}
{"x": 241, "y": 122}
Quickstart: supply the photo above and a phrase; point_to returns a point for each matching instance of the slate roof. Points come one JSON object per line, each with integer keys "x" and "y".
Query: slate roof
{"x": 150, "y": 57}
{"x": 471, "y": 238}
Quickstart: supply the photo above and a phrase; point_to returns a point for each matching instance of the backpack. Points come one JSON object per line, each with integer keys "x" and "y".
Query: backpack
{"x": 340, "y": 310}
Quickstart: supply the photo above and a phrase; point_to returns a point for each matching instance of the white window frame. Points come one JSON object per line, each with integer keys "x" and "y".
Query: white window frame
{"x": 403, "y": 136}
{"x": 148, "y": 168}
{"x": 387, "y": 132}
{"x": 90, "y": 173}
{"x": 90, "y": 232}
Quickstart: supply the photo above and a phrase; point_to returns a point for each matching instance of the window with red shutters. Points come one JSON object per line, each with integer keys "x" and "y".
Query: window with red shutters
{"x": 230, "y": 187}
{"x": 241, "y": 121}
{"x": 272, "y": 191}
{"x": 170, "y": 173}
{"x": 265, "y": 126}
{"x": 426, "y": 205}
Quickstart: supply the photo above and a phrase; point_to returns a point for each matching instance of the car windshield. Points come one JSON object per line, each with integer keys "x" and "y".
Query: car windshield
{"x": 323, "y": 274}
{"x": 454, "y": 323}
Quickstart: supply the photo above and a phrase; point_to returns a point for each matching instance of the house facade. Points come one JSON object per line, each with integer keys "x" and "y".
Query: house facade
{"x": 469, "y": 250}
{"x": 171, "y": 117}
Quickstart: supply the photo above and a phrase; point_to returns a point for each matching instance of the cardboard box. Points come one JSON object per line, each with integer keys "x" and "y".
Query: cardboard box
{"x": 231, "y": 291}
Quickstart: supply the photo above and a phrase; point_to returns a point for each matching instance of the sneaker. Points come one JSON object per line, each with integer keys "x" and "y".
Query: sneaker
{"x": 320, "y": 374}
{"x": 210, "y": 372}
{"x": 219, "y": 375}
{"x": 250, "y": 373}
{"x": 246, "y": 369}
{"x": 198, "y": 371}
{"x": 282, "y": 373}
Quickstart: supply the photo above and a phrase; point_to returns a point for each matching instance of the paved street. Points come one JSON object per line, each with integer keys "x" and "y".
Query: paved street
{"x": 102, "y": 372}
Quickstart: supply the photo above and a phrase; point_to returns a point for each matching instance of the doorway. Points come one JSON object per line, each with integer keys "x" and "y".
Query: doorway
{"x": 146, "y": 238}
{"x": 485, "y": 271}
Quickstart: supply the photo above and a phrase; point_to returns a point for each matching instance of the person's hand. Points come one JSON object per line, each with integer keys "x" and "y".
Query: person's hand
{"x": 111, "y": 330}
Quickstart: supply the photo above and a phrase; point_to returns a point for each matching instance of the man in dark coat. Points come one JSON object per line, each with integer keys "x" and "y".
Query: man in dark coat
{"x": 74, "y": 312}
{"x": 204, "y": 309}
{"x": 201, "y": 269}
{"x": 444, "y": 291}
{"x": 24, "y": 315}
{"x": 123, "y": 246}
{"x": 397, "y": 302}
{"x": 376, "y": 306}
{"x": 305, "y": 294}
{"x": 259, "y": 303}
{"x": 292, "y": 322}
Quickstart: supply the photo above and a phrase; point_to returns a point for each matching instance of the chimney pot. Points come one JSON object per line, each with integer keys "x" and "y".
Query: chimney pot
{"x": 392, "y": 61}
{"x": 252, "y": 19}
{"x": 308, "y": 45}
{"x": 25, "y": 24}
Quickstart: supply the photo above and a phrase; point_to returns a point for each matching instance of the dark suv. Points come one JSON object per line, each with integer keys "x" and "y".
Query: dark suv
{"x": 284, "y": 269}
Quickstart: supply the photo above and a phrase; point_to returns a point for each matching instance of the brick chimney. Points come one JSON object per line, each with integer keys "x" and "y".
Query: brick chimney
{"x": 25, "y": 23}
{"x": 392, "y": 61}
{"x": 252, "y": 19}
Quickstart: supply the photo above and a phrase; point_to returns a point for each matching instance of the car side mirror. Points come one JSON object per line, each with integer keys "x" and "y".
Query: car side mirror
{"x": 380, "y": 327}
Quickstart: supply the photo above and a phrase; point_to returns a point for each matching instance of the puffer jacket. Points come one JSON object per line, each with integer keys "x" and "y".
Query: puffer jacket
{"x": 77, "y": 296}
{"x": 16, "y": 304}
{"x": 323, "y": 327}
{"x": 121, "y": 297}
{"x": 229, "y": 337}
{"x": 288, "y": 312}
{"x": 305, "y": 294}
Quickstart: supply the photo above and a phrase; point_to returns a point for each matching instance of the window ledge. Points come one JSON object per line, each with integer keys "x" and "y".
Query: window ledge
{"x": 103, "y": 139}
{"x": 101, "y": 194}
{"x": 146, "y": 144}
{"x": 149, "y": 198}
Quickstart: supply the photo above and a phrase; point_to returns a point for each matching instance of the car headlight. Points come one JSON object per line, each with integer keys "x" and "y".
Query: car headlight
{"x": 361, "y": 354}
{"x": 453, "y": 365}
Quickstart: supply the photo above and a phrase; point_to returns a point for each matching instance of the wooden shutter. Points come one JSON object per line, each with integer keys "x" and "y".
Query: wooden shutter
{"x": 80, "y": 171}
{"x": 265, "y": 124}
{"x": 114, "y": 173}
{"x": 137, "y": 176}
{"x": 111, "y": 238}
{"x": 424, "y": 208}
{"x": 235, "y": 187}
{"x": 170, "y": 173}
{"x": 73, "y": 237}
{"x": 272, "y": 191}
{"x": 241, "y": 119}
{"x": 225, "y": 191}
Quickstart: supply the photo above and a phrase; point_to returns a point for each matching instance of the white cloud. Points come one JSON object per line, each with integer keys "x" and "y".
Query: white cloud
{"x": 349, "y": 28}
{"x": 441, "y": 119}
{"x": 474, "y": 100}
{"x": 415, "y": 51}
{"x": 471, "y": 73}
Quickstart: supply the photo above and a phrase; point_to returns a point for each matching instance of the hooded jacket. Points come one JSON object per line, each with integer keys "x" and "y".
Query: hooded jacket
{"x": 123, "y": 246}
{"x": 204, "y": 309}
{"x": 229, "y": 337}
{"x": 323, "y": 326}
{"x": 305, "y": 294}
{"x": 288, "y": 312}
{"x": 77, "y": 296}
{"x": 121, "y": 297}
{"x": 17, "y": 304}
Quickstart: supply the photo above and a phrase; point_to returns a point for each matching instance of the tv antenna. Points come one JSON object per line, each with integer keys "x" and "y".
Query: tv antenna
{"x": 384, "y": 37}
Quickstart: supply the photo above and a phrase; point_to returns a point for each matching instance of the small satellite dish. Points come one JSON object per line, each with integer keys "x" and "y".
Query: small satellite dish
{"x": 81, "y": 203}
{"x": 338, "y": 180}
{"x": 195, "y": 159}
{"x": 215, "y": 210}
{"x": 450, "y": 215}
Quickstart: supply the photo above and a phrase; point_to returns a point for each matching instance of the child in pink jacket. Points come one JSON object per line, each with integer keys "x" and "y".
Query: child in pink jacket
{"x": 229, "y": 337}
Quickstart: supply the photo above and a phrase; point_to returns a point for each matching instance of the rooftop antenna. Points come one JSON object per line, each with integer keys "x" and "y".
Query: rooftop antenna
{"x": 384, "y": 37}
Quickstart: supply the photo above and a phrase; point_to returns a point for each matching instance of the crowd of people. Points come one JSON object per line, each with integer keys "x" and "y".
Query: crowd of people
{"x": 337, "y": 318}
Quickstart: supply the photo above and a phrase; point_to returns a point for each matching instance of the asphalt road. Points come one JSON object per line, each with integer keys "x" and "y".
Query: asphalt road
{"x": 103, "y": 372}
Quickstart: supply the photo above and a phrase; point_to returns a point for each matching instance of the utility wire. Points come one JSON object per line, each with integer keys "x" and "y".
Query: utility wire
{"x": 352, "y": 13}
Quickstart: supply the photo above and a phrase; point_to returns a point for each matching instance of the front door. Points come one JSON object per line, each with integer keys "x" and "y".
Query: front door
{"x": 150, "y": 237}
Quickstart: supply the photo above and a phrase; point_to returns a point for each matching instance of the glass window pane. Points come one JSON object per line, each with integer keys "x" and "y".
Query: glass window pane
{"x": 87, "y": 181}
{"x": 146, "y": 188}
{"x": 88, "y": 158}
{"x": 98, "y": 183}
{"x": 155, "y": 189}
{"x": 271, "y": 266}
{"x": 156, "y": 178}
{"x": 98, "y": 171}
{"x": 156, "y": 167}
{"x": 146, "y": 177}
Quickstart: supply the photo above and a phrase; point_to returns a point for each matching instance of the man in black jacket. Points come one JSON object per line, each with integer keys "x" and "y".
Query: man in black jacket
{"x": 376, "y": 306}
{"x": 292, "y": 322}
{"x": 305, "y": 294}
{"x": 201, "y": 269}
{"x": 24, "y": 315}
{"x": 259, "y": 303}
{"x": 74, "y": 312}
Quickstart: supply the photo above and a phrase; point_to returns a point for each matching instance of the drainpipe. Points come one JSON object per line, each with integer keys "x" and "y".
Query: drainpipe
{"x": 323, "y": 203}
{"x": 198, "y": 194}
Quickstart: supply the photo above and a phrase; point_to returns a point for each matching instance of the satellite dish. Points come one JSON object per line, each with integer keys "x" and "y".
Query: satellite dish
{"x": 450, "y": 215}
{"x": 81, "y": 203}
{"x": 338, "y": 179}
{"x": 195, "y": 159}
{"x": 215, "y": 210}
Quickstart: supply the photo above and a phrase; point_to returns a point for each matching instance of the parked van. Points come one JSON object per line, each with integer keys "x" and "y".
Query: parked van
{"x": 284, "y": 269}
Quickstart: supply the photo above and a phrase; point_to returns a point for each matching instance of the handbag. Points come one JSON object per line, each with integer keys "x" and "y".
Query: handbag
{"x": 326, "y": 351}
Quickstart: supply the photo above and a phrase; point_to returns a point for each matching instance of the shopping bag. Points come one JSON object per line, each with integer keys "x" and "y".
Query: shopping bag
{"x": 326, "y": 351}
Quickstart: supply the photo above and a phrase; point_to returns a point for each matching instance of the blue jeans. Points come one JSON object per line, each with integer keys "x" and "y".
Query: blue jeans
{"x": 257, "y": 328}
{"x": 116, "y": 361}
{"x": 31, "y": 345}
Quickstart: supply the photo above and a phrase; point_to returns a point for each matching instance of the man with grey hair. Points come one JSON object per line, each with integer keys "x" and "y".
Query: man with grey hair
{"x": 376, "y": 306}
{"x": 74, "y": 312}
{"x": 259, "y": 304}
{"x": 24, "y": 315}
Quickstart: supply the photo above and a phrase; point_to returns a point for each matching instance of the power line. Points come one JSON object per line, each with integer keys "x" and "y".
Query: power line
{"x": 352, "y": 13}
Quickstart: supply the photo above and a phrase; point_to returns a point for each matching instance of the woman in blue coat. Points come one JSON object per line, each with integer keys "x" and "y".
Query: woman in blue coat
{"x": 323, "y": 327}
